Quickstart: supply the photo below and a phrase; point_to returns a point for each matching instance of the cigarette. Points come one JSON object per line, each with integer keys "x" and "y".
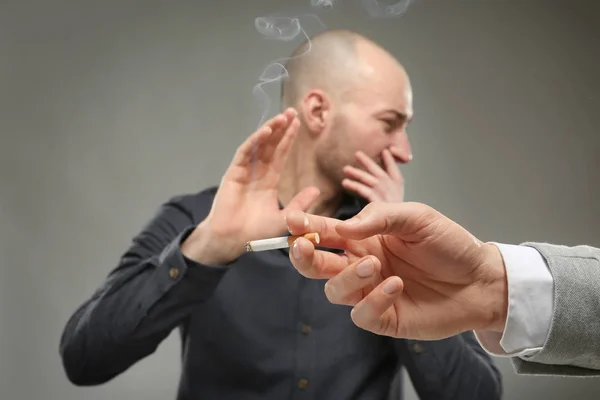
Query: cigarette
{"x": 280, "y": 242}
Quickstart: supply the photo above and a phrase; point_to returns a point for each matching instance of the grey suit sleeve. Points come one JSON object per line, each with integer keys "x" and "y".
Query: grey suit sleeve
{"x": 573, "y": 343}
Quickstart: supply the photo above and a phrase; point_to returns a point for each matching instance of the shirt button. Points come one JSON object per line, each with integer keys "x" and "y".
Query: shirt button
{"x": 306, "y": 329}
{"x": 302, "y": 383}
{"x": 174, "y": 272}
{"x": 417, "y": 348}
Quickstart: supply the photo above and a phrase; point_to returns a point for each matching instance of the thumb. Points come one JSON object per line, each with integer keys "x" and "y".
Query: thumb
{"x": 304, "y": 199}
{"x": 404, "y": 220}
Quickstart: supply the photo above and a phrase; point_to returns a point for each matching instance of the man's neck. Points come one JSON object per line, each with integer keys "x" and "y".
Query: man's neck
{"x": 300, "y": 173}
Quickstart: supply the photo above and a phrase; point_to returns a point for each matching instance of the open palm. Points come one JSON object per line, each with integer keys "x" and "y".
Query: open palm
{"x": 246, "y": 205}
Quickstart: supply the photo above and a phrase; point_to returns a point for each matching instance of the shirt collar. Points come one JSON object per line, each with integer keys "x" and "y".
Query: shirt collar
{"x": 349, "y": 207}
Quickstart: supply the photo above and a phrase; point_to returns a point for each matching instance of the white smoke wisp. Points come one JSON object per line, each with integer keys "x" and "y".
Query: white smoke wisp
{"x": 326, "y": 4}
{"x": 275, "y": 28}
{"x": 284, "y": 29}
{"x": 385, "y": 9}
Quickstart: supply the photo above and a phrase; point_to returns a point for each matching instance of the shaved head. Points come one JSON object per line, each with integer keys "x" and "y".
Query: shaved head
{"x": 328, "y": 61}
{"x": 333, "y": 61}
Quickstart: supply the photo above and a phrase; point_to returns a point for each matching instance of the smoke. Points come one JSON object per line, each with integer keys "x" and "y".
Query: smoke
{"x": 375, "y": 8}
{"x": 378, "y": 9}
{"x": 321, "y": 3}
{"x": 287, "y": 29}
{"x": 281, "y": 28}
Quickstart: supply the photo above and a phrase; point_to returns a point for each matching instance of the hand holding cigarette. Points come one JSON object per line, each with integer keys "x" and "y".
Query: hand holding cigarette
{"x": 408, "y": 271}
{"x": 246, "y": 206}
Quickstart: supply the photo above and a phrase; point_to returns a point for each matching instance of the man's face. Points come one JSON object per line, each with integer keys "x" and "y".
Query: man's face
{"x": 370, "y": 118}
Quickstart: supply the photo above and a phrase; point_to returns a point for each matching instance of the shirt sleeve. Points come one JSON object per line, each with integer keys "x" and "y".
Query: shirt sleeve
{"x": 151, "y": 291}
{"x": 530, "y": 304}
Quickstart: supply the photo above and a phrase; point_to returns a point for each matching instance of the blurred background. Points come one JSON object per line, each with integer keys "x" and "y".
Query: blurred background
{"x": 108, "y": 108}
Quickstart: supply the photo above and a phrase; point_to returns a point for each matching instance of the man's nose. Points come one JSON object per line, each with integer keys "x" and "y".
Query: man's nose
{"x": 400, "y": 146}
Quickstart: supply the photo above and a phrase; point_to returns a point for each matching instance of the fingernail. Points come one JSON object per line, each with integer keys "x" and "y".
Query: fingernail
{"x": 296, "y": 250}
{"x": 391, "y": 287}
{"x": 365, "y": 268}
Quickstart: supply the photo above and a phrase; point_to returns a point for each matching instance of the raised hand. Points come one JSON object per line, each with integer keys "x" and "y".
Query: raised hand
{"x": 375, "y": 183}
{"x": 246, "y": 205}
{"x": 409, "y": 271}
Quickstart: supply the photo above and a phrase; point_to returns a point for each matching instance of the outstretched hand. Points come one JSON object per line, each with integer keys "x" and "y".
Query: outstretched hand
{"x": 408, "y": 271}
{"x": 249, "y": 186}
{"x": 246, "y": 205}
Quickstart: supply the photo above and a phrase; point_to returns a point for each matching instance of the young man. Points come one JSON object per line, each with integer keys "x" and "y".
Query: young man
{"x": 251, "y": 326}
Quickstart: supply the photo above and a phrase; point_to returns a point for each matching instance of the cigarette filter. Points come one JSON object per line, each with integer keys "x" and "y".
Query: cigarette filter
{"x": 279, "y": 242}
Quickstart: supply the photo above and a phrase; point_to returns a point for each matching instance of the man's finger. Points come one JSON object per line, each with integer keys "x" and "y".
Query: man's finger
{"x": 391, "y": 166}
{"x": 359, "y": 188}
{"x": 349, "y": 286}
{"x": 247, "y": 150}
{"x": 315, "y": 264}
{"x": 370, "y": 165}
{"x": 299, "y": 223}
{"x": 255, "y": 144}
{"x": 360, "y": 175}
{"x": 375, "y": 312}
{"x": 279, "y": 147}
{"x": 406, "y": 220}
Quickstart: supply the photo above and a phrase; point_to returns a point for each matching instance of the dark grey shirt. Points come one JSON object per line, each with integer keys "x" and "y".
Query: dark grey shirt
{"x": 255, "y": 329}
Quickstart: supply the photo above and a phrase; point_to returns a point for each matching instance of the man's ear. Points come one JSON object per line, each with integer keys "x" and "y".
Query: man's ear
{"x": 316, "y": 107}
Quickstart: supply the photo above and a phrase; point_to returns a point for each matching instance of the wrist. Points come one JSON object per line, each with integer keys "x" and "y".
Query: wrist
{"x": 205, "y": 248}
{"x": 494, "y": 290}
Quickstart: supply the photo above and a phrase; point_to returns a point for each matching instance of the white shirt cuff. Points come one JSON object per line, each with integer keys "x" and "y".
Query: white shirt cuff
{"x": 530, "y": 304}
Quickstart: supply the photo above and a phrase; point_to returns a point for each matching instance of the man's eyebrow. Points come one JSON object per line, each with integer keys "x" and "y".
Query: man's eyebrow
{"x": 398, "y": 115}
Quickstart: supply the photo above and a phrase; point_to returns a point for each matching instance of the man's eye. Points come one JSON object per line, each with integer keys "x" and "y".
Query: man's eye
{"x": 390, "y": 125}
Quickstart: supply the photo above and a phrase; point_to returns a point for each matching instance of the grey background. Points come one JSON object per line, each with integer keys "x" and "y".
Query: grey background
{"x": 108, "y": 108}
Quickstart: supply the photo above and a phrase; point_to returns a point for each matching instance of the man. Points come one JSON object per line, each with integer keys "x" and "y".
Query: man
{"x": 411, "y": 272}
{"x": 251, "y": 326}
